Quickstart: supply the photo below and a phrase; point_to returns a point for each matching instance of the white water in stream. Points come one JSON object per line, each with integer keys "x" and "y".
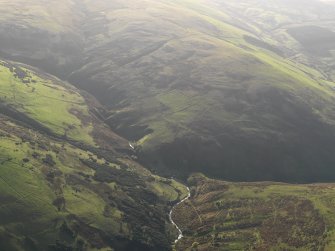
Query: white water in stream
{"x": 170, "y": 216}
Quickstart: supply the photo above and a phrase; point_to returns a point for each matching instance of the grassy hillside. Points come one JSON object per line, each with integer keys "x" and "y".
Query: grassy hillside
{"x": 235, "y": 89}
{"x": 194, "y": 84}
{"x": 256, "y": 216}
{"x": 73, "y": 191}
{"x": 59, "y": 108}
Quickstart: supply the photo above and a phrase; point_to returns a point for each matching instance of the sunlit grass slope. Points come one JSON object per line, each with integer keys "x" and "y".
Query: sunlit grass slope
{"x": 57, "y": 107}
{"x": 56, "y": 196}
{"x": 62, "y": 190}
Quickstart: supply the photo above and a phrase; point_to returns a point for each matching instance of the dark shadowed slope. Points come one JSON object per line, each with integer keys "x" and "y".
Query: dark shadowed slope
{"x": 193, "y": 87}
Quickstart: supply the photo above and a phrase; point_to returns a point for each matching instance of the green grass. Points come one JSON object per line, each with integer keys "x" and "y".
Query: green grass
{"x": 53, "y": 105}
{"x": 170, "y": 190}
{"x": 39, "y": 198}
{"x": 183, "y": 70}
{"x": 89, "y": 207}
{"x": 28, "y": 193}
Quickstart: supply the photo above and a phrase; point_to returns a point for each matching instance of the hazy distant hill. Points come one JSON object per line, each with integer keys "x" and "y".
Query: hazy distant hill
{"x": 100, "y": 100}
{"x": 200, "y": 86}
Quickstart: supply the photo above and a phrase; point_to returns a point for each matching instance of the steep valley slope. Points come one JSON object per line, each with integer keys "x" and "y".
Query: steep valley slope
{"x": 66, "y": 180}
{"x": 103, "y": 102}
{"x": 256, "y": 216}
{"x": 205, "y": 86}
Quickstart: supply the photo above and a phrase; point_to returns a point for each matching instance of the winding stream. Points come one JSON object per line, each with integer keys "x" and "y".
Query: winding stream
{"x": 170, "y": 215}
